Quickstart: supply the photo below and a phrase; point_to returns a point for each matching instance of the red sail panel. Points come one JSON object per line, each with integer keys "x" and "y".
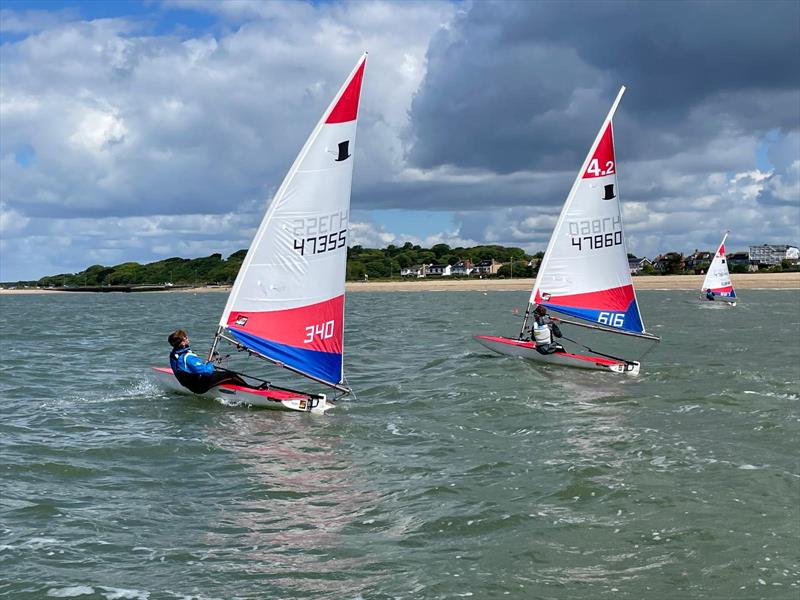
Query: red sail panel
{"x": 316, "y": 327}
{"x": 603, "y": 162}
{"x": 346, "y": 108}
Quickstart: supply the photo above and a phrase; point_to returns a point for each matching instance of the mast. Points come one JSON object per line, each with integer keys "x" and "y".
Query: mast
{"x": 584, "y": 272}
{"x": 565, "y": 209}
{"x": 286, "y": 305}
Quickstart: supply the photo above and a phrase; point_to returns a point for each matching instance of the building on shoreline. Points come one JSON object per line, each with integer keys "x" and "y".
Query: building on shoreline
{"x": 773, "y": 254}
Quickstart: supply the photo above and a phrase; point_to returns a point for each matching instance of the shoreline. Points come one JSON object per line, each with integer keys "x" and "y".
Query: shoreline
{"x": 742, "y": 281}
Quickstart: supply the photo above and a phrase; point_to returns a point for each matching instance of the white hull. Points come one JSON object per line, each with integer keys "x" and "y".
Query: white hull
{"x": 271, "y": 399}
{"x": 527, "y": 350}
{"x": 720, "y": 301}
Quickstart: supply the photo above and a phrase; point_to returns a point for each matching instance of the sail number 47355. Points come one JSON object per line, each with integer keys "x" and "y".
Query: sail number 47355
{"x": 322, "y": 243}
{"x": 322, "y": 331}
{"x": 611, "y": 318}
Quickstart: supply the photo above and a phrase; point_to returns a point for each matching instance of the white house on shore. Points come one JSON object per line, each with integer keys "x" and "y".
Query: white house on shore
{"x": 462, "y": 268}
{"x": 637, "y": 264}
{"x": 773, "y": 254}
{"x": 416, "y": 271}
{"x": 439, "y": 270}
{"x": 487, "y": 267}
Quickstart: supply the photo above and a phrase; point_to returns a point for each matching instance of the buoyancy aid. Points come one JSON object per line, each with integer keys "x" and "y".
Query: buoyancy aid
{"x": 541, "y": 332}
{"x": 183, "y": 361}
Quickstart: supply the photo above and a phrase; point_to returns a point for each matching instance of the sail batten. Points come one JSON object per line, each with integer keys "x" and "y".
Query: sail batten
{"x": 287, "y": 303}
{"x": 585, "y": 272}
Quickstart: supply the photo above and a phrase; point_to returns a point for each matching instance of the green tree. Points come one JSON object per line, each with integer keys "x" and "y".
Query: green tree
{"x": 439, "y": 250}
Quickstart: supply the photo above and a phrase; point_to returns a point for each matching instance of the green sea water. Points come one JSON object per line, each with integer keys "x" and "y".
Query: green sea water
{"x": 454, "y": 472}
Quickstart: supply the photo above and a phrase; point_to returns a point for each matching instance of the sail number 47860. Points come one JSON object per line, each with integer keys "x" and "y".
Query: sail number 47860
{"x": 601, "y": 240}
{"x": 322, "y": 331}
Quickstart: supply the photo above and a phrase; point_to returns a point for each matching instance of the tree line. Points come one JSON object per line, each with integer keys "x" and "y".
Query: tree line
{"x": 375, "y": 263}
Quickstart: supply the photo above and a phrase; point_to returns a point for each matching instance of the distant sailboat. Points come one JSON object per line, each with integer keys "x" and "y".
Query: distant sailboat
{"x": 717, "y": 284}
{"x": 584, "y": 273}
{"x": 287, "y": 303}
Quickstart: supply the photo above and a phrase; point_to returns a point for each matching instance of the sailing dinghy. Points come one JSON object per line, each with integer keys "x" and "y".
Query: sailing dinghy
{"x": 584, "y": 273}
{"x": 717, "y": 283}
{"x": 287, "y": 303}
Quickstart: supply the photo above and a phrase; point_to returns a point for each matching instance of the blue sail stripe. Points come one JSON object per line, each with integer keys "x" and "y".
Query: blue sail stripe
{"x": 631, "y": 322}
{"x": 325, "y": 366}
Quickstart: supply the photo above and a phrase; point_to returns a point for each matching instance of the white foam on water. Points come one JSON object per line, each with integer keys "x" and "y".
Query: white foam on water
{"x": 40, "y": 542}
{"x": 123, "y": 594}
{"x": 70, "y": 592}
{"x": 393, "y": 429}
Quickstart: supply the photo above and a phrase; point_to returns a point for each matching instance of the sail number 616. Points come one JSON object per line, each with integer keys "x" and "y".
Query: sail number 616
{"x": 321, "y": 330}
{"x": 611, "y": 318}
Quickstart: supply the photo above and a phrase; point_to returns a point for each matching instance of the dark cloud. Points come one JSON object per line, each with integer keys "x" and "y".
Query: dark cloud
{"x": 516, "y": 85}
{"x": 466, "y": 193}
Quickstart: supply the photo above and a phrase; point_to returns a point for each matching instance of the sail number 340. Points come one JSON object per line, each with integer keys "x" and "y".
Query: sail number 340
{"x": 322, "y": 331}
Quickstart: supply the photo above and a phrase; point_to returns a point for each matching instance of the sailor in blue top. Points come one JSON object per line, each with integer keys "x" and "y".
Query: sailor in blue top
{"x": 191, "y": 371}
{"x": 709, "y": 294}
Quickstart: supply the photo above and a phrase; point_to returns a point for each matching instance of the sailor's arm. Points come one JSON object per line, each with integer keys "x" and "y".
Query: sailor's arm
{"x": 196, "y": 365}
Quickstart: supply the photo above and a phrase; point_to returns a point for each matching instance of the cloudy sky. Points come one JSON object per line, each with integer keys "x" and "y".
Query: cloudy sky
{"x": 135, "y": 131}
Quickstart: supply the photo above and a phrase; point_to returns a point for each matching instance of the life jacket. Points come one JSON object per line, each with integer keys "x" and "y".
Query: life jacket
{"x": 541, "y": 332}
{"x": 195, "y": 382}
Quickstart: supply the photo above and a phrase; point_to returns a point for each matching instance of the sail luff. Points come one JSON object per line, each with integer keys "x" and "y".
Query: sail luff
{"x": 571, "y": 195}
{"x": 287, "y": 302}
{"x": 281, "y": 191}
{"x": 585, "y": 272}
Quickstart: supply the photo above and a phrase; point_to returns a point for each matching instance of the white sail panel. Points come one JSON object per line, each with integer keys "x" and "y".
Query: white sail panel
{"x": 287, "y": 302}
{"x": 585, "y": 272}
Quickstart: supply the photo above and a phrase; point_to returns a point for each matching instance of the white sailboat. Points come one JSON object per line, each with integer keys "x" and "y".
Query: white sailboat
{"x": 287, "y": 303}
{"x": 584, "y": 273}
{"x": 717, "y": 285}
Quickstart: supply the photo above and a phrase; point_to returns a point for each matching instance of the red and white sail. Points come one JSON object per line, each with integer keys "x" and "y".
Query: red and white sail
{"x": 287, "y": 302}
{"x": 718, "y": 278}
{"x": 585, "y": 272}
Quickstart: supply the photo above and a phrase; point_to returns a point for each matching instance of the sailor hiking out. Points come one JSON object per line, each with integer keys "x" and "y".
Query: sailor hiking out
{"x": 191, "y": 371}
{"x": 543, "y": 330}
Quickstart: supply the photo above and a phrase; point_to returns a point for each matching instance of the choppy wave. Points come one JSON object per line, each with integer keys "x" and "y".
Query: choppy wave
{"x": 454, "y": 473}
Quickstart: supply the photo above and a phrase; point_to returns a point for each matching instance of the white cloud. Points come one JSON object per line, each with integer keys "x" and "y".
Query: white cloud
{"x": 120, "y": 144}
{"x": 123, "y": 123}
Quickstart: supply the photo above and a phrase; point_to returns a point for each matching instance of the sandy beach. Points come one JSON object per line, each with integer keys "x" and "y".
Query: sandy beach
{"x": 744, "y": 281}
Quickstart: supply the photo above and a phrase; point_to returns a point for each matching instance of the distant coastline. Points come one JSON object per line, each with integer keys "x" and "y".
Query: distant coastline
{"x": 742, "y": 281}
